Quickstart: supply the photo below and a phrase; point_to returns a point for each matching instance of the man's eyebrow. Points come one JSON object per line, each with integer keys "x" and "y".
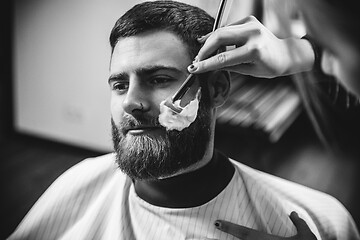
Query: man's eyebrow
{"x": 155, "y": 68}
{"x": 117, "y": 76}
{"x": 144, "y": 71}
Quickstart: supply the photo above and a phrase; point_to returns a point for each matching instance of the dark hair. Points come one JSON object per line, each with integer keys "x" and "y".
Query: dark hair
{"x": 186, "y": 21}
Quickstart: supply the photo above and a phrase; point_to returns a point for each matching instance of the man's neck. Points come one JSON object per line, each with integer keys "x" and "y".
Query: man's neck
{"x": 189, "y": 189}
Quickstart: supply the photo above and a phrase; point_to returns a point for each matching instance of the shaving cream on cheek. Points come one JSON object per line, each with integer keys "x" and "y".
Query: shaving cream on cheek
{"x": 178, "y": 121}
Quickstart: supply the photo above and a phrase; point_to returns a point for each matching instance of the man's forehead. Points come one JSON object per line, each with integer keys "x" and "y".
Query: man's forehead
{"x": 153, "y": 39}
{"x": 150, "y": 48}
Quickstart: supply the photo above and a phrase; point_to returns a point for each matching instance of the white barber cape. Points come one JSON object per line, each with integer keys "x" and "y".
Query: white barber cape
{"x": 95, "y": 200}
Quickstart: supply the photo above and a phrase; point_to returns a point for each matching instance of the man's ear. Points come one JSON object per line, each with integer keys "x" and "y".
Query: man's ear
{"x": 219, "y": 84}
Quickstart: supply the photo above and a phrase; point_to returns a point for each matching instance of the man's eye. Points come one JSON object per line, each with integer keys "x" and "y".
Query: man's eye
{"x": 120, "y": 86}
{"x": 160, "y": 80}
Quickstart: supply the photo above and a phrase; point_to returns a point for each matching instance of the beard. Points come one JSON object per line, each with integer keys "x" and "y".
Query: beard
{"x": 152, "y": 157}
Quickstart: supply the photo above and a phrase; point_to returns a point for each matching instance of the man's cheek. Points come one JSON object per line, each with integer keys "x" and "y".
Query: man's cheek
{"x": 116, "y": 112}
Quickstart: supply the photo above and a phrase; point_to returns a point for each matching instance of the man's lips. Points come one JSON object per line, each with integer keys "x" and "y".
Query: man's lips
{"x": 139, "y": 129}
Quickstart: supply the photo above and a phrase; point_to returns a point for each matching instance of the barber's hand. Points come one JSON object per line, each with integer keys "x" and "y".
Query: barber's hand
{"x": 258, "y": 52}
{"x": 244, "y": 233}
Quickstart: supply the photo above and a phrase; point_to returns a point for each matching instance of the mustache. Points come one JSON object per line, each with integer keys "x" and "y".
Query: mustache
{"x": 129, "y": 122}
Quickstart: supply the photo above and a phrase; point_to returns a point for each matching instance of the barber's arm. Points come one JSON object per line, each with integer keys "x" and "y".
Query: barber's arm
{"x": 253, "y": 50}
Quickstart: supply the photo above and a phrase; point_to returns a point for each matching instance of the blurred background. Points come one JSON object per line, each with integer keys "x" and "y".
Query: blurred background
{"x": 55, "y": 110}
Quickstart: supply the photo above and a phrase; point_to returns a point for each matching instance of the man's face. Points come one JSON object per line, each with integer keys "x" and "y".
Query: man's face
{"x": 144, "y": 70}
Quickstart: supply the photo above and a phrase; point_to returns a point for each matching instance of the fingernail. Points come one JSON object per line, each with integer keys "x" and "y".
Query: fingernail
{"x": 217, "y": 224}
{"x": 200, "y": 38}
{"x": 196, "y": 59}
{"x": 192, "y": 68}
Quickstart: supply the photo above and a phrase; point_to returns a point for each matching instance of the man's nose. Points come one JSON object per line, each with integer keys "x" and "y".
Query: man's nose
{"x": 135, "y": 101}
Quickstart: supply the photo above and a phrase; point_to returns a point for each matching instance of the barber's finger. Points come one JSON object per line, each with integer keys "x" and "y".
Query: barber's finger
{"x": 244, "y": 20}
{"x": 243, "y": 233}
{"x": 299, "y": 223}
{"x": 202, "y": 39}
{"x": 224, "y": 59}
{"x": 228, "y": 36}
{"x": 233, "y": 229}
{"x": 301, "y": 226}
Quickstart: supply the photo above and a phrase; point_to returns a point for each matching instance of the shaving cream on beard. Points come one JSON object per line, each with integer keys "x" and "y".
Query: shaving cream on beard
{"x": 178, "y": 121}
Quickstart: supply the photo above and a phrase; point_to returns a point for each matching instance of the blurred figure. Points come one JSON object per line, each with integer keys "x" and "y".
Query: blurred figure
{"x": 335, "y": 26}
{"x": 260, "y": 53}
{"x": 331, "y": 46}
{"x": 332, "y": 100}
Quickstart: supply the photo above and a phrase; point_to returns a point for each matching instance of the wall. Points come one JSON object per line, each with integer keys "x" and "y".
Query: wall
{"x": 61, "y": 58}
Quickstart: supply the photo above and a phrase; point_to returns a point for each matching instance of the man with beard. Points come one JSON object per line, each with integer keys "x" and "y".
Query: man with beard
{"x": 171, "y": 184}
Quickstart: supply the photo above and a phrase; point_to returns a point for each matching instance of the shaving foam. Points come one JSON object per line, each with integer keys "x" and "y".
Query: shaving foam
{"x": 178, "y": 121}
